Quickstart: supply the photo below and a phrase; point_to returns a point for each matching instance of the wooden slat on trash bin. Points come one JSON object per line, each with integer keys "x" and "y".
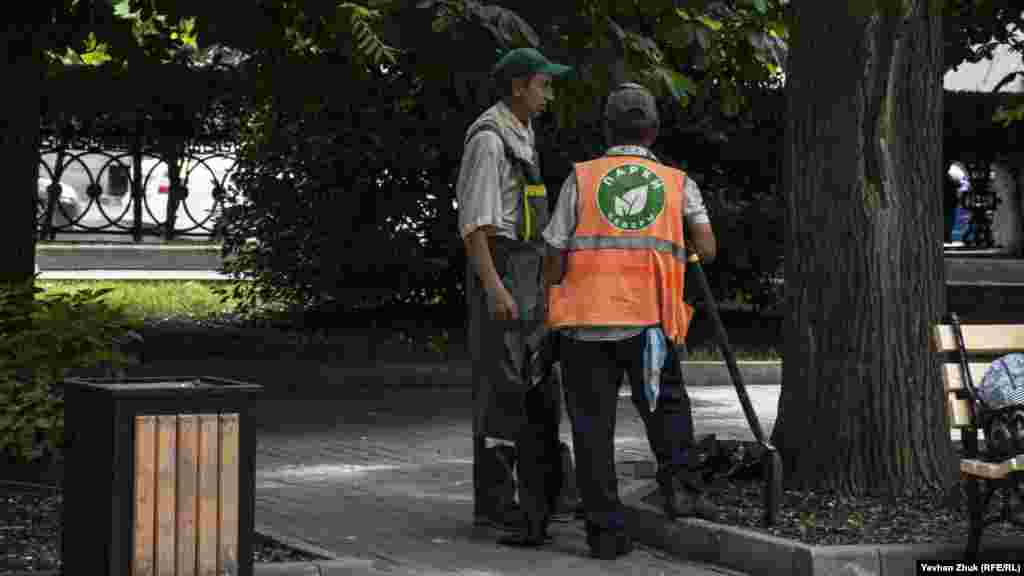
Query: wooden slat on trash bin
{"x": 166, "y": 461}
{"x": 188, "y": 438}
{"x": 145, "y": 496}
{"x": 186, "y": 494}
{"x": 208, "y": 486}
{"x": 228, "y": 491}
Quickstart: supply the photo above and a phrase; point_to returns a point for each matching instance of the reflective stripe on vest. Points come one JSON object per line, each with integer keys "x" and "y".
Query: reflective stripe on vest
{"x": 626, "y": 260}
{"x": 627, "y": 243}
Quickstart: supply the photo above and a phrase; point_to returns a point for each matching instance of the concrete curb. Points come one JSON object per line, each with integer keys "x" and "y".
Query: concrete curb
{"x": 350, "y": 567}
{"x": 333, "y": 565}
{"x": 295, "y": 543}
{"x": 758, "y": 554}
{"x": 126, "y": 247}
{"x": 149, "y": 275}
{"x": 459, "y": 373}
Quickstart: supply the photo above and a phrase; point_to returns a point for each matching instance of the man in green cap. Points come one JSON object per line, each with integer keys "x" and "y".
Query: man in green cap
{"x": 503, "y": 208}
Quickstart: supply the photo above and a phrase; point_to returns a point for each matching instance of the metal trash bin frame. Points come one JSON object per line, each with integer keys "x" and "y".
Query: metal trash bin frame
{"x": 117, "y": 423}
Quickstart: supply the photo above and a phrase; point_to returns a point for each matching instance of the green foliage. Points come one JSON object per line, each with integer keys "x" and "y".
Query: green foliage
{"x": 1011, "y": 113}
{"x": 855, "y": 520}
{"x": 974, "y": 28}
{"x": 44, "y": 339}
{"x": 141, "y": 299}
{"x": 808, "y": 523}
{"x": 687, "y": 52}
{"x": 331, "y": 210}
{"x": 319, "y": 183}
{"x": 751, "y": 235}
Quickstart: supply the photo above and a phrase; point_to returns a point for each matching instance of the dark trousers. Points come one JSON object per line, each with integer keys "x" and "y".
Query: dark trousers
{"x": 592, "y": 372}
{"x": 538, "y": 461}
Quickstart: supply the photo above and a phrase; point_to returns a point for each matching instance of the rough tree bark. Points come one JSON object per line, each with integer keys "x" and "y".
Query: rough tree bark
{"x": 19, "y": 153}
{"x": 861, "y": 409}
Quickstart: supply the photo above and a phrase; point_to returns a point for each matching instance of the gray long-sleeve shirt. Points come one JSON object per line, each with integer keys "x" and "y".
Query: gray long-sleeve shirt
{"x": 489, "y": 187}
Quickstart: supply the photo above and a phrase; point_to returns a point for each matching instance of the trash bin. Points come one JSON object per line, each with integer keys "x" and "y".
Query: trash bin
{"x": 158, "y": 476}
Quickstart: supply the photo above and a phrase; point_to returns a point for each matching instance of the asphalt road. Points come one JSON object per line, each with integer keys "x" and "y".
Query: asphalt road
{"x": 147, "y": 256}
{"x": 109, "y": 256}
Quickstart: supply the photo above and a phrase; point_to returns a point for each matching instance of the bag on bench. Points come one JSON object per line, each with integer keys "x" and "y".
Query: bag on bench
{"x": 1001, "y": 392}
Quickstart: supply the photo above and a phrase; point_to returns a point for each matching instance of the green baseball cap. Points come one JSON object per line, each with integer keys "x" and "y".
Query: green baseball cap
{"x": 525, "y": 62}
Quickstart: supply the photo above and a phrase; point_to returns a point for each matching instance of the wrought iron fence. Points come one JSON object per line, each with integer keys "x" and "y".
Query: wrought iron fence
{"x": 131, "y": 190}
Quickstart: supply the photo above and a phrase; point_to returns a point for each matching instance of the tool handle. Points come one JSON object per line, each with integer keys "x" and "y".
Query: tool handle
{"x": 693, "y": 259}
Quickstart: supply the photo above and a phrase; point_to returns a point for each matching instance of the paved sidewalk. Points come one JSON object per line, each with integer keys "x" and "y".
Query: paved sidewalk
{"x": 380, "y": 474}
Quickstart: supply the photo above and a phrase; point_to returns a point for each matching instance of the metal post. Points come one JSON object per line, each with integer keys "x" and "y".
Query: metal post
{"x": 137, "y": 190}
{"x": 177, "y": 192}
{"x": 172, "y": 175}
{"x": 53, "y": 192}
{"x": 48, "y": 211}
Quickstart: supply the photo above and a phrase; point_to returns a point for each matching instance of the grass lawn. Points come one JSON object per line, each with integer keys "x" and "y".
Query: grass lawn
{"x": 150, "y": 299}
{"x": 742, "y": 352}
{"x": 195, "y": 299}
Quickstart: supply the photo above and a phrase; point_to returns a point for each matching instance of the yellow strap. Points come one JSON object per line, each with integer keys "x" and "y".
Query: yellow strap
{"x": 530, "y": 191}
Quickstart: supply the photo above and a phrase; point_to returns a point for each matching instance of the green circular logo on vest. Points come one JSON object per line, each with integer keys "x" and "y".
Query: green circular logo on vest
{"x": 631, "y": 197}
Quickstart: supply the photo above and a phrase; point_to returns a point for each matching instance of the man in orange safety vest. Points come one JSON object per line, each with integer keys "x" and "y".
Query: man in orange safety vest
{"x": 614, "y": 277}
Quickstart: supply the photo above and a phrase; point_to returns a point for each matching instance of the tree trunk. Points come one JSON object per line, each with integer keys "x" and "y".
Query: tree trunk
{"x": 19, "y": 155}
{"x": 861, "y": 409}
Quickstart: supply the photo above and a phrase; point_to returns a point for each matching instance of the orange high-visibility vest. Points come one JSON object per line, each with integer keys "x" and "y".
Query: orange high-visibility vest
{"x": 627, "y": 259}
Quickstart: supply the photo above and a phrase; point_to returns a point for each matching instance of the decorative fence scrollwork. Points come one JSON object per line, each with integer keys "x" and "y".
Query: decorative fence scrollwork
{"x": 145, "y": 151}
{"x": 88, "y": 189}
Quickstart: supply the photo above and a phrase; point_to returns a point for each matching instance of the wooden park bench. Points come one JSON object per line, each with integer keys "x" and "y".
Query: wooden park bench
{"x": 966, "y": 360}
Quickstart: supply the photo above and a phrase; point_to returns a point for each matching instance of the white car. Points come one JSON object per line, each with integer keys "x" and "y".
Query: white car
{"x": 67, "y": 207}
{"x": 201, "y": 182}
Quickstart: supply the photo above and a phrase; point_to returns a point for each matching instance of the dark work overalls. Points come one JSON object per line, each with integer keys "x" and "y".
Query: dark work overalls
{"x": 515, "y": 391}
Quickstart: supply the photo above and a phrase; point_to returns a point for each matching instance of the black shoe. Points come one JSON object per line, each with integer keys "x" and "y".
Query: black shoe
{"x": 609, "y": 545}
{"x": 672, "y": 502}
{"x": 532, "y": 537}
{"x": 521, "y": 540}
{"x": 568, "y": 510}
{"x": 580, "y": 512}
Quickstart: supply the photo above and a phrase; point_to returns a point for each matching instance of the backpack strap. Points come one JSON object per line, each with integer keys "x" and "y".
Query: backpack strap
{"x": 531, "y": 172}
{"x": 488, "y": 126}
{"x": 535, "y": 212}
